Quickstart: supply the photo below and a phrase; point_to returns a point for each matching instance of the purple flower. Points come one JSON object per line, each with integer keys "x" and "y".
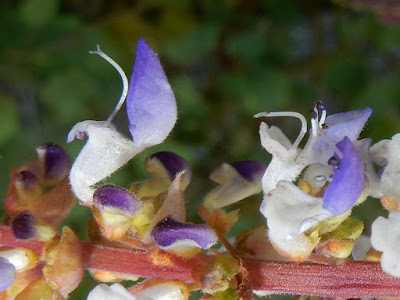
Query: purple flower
{"x": 237, "y": 181}
{"x": 7, "y": 271}
{"x": 250, "y": 170}
{"x": 168, "y": 232}
{"x": 23, "y": 226}
{"x": 171, "y": 162}
{"x": 347, "y": 180}
{"x": 113, "y": 196}
{"x": 55, "y": 161}
{"x": 151, "y": 112}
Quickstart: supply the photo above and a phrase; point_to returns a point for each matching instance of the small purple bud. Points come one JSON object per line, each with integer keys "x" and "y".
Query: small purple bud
{"x": 55, "y": 159}
{"x": 7, "y": 273}
{"x": 172, "y": 162}
{"x": 110, "y": 195}
{"x": 168, "y": 231}
{"x": 347, "y": 180}
{"x": 251, "y": 170}
{"x": 23, "y": 226}
{"x": 26, "y": 180}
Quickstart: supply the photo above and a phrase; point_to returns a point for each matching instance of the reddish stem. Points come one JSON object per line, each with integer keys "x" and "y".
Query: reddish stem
{"x": 344, "y": 280}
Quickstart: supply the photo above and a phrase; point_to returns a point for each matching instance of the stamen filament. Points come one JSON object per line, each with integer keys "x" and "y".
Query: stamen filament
{"x": 303, "y": 121}
{"x": 124, "y": 83}
{"x": 323, "y": 117}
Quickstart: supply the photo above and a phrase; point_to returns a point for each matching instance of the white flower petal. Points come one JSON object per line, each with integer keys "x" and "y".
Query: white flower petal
{"x": 104, "y": 153}
{"x": 385, "y": 237}
{"x": 290, "y": 211}
{"x": 162, "y": 291}
{"x": 113, "y": 292}
{"x": 389, "y": 152}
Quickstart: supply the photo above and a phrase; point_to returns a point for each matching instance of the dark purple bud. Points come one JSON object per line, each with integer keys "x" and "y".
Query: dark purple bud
{"x": 7, "y": 273}
{"x": 110, "y": 195}
{"x": 168, "y": 231}
{"x": 23, "y": 226}
{"x": 172, "y": 163}
{"x": 26, "y": 180}
{"x": 347, "y": 180}
{"x": 251, "y": 170}
{"x": 55, "y": 159}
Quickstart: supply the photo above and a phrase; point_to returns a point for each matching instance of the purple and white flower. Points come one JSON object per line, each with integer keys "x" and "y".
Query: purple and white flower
{"x": 333, "y": 169}
{"x": 152, "y": 113}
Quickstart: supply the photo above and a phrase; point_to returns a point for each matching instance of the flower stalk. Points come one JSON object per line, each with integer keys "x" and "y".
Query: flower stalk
{"x": 345, "y": 279}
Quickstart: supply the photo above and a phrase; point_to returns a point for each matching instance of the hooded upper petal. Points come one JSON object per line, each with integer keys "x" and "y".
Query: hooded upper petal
{"x": 338, "y": 126}
{"x": 150, "y": 103}
{"x": 347, "y": 180}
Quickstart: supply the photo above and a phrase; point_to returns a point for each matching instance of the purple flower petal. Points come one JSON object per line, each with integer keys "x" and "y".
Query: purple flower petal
{"x": 150, "y": 103}
{"x": 168, "y": 231}
{"x": 23, "y": 226}
{"x": 172, "y": 163}
{"x": 55, "y": 159}
{"x": 347, "y": 180}
{"x": 7, "y": 273}
{"x": 110, "y": 195}
{"x": 251, "y": 170}
{"x": 349, "y": 123}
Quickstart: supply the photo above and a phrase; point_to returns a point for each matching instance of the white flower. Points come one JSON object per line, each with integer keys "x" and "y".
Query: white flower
{"x": 385, "y": 237}
{"x": 161, "y": 291}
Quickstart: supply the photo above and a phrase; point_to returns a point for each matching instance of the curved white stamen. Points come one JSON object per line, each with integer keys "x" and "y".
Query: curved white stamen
{"x": 314, "y": 123}
{"x": 323, "y": 117}
{"x": 124, "y": 83}
{"x": 297, "y": 115}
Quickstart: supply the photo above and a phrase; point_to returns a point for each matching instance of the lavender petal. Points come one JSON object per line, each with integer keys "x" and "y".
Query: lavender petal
{"x": 110, "y": 195}
{"x": 7, "y": 272}
{"x": 150, "y": 103}
{"x": 347, "y": 180}
{"x": 349, "y": 123}
{"x": 168, "y": 231}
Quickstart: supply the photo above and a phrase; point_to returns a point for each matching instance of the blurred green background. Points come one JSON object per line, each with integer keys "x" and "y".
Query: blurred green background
{"x": 226, "y": 60}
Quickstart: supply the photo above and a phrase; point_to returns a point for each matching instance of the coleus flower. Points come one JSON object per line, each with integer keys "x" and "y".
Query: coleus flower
{"x": 334, "y": 177}
{"x": 152, "y": 113}
{"x": 167, "y": 290}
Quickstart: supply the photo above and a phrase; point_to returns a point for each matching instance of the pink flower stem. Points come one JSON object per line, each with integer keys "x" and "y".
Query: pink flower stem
{"x": 348, "y": 279}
